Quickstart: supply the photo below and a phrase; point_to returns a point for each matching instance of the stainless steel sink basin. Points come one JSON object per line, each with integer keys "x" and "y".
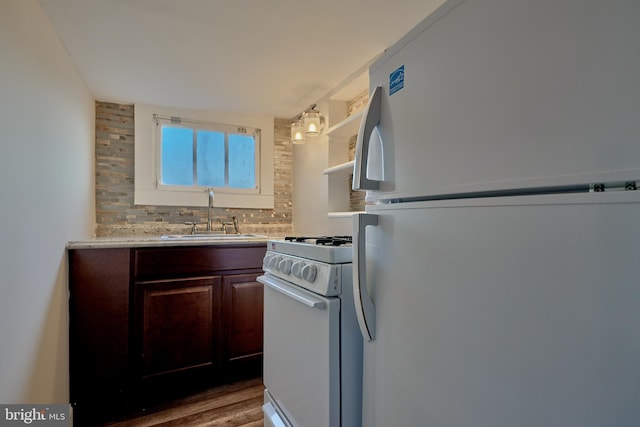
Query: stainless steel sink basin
{"x": 212, "y": 236}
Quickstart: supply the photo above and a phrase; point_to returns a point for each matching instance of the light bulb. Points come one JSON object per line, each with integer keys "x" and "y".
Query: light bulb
{"x": 297, "y": 132}
{"x": 312, "y": 123}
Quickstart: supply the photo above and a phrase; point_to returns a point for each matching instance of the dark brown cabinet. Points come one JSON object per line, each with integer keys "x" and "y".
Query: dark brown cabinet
{"x": 179, "y": 325}
{"x": 150, "y": 322}
{"x": 242, "y": 315}
{"x": 99, "y": 334}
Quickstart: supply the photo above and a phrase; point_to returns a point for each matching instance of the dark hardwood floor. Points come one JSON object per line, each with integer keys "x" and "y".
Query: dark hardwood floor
{"x": 233, "y": 405}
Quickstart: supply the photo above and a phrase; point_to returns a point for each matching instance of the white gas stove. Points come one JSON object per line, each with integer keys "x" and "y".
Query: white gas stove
{"x": 328, "y": 249}
{"x": 309, "y": 320}
{"x": 310, "y": 262}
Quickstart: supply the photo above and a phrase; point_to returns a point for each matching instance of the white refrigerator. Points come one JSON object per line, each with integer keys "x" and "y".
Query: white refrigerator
{"x": 497, "y": 266}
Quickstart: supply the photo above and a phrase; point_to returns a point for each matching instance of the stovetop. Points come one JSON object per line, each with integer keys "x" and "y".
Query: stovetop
{"x": 327, "y": 249}
{"x": 321, "y": 240}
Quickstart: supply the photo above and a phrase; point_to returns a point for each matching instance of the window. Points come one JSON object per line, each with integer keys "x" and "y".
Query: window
{"x": 202, "y": 152}
{"x": 207, "y": 155}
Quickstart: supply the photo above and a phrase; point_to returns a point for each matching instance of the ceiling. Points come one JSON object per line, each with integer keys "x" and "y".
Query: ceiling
{"x": 247, "y": 56}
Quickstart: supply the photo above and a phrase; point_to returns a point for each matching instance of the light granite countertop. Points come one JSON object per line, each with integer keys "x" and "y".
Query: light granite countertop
{"x": 159, "y": 241}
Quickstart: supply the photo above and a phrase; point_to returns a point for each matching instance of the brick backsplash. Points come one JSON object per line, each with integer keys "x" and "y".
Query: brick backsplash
{"x": 356, "y": 198}
{"x": 358, "y": 102}
{"x": 116, "y": 214}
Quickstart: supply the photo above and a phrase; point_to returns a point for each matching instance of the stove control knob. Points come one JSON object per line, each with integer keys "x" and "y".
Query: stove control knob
{"x": 265, "y": 261}
{"x": 273, "y": 262}
{"x": 296, "y": 269}
{"x": 309, "y": 273}
{"x": 285, "y": 266}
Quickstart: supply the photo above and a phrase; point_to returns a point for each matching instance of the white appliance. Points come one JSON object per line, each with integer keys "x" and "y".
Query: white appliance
{"x": 497, "y": 268}
{"x": 312, "y": 344}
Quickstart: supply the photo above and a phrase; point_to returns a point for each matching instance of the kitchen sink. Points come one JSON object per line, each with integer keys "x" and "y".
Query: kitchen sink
{"x": 212, "y": 236}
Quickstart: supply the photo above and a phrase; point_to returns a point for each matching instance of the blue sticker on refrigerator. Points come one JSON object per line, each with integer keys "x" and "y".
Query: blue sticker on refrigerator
{"x": 396, "y": 80}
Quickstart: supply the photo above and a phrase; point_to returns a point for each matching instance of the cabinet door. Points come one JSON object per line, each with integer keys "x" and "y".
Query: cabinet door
{"x": 178, "y": 324}
{"x": 98, "y": 333}
{"x": 242, "y": 318}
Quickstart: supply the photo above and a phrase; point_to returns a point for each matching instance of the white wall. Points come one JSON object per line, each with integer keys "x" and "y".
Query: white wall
{"x": 47, "y": 198}
{"x": 310, "y": 187}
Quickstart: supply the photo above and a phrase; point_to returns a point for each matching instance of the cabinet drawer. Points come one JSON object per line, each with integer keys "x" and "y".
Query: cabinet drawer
{"x": 191, "y": 261}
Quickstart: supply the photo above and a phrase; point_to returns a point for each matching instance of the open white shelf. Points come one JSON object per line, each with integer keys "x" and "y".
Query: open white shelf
{"x": 345, "y": 111}
{"x": 347, "y": 127}
{"x": 343, "y": 214}
{"x": 341, "y": 168}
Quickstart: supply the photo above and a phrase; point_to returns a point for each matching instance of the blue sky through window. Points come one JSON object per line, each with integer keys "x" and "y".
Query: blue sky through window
{"x": 242, "y": 171}
{"x": 177, "y": 156}
{"x": 210, "y": 154}
{"x": 216, "y": 159}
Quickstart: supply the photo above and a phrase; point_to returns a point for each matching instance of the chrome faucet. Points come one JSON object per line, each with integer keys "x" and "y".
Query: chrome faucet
{"x": 236, "y": 230}
{"x": 210, "y": 190}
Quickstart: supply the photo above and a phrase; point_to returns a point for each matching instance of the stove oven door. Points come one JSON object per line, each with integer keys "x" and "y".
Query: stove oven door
{"x": 301, "y": 354}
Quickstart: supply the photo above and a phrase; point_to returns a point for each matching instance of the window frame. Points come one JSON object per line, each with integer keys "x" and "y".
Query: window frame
{"x": 197, "y": 125}
{"x": 146, "y": 192}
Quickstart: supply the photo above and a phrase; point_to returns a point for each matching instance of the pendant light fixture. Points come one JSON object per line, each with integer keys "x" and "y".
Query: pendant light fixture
{"x": 307, "y": 124}
{"x": 297, "y": 130}
{"x": 312, "y": 121}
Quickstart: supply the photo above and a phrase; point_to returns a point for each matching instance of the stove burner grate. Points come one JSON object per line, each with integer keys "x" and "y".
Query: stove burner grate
{"x": 321, "y": 240}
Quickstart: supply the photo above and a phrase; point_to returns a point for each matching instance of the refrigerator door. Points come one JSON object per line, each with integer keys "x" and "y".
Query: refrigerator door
{"x": 508, "y": 94}
{"x": 508, "y": 315}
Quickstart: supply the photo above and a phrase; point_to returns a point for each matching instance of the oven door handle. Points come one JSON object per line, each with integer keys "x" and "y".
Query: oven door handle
{"x": 290, "y": 291}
